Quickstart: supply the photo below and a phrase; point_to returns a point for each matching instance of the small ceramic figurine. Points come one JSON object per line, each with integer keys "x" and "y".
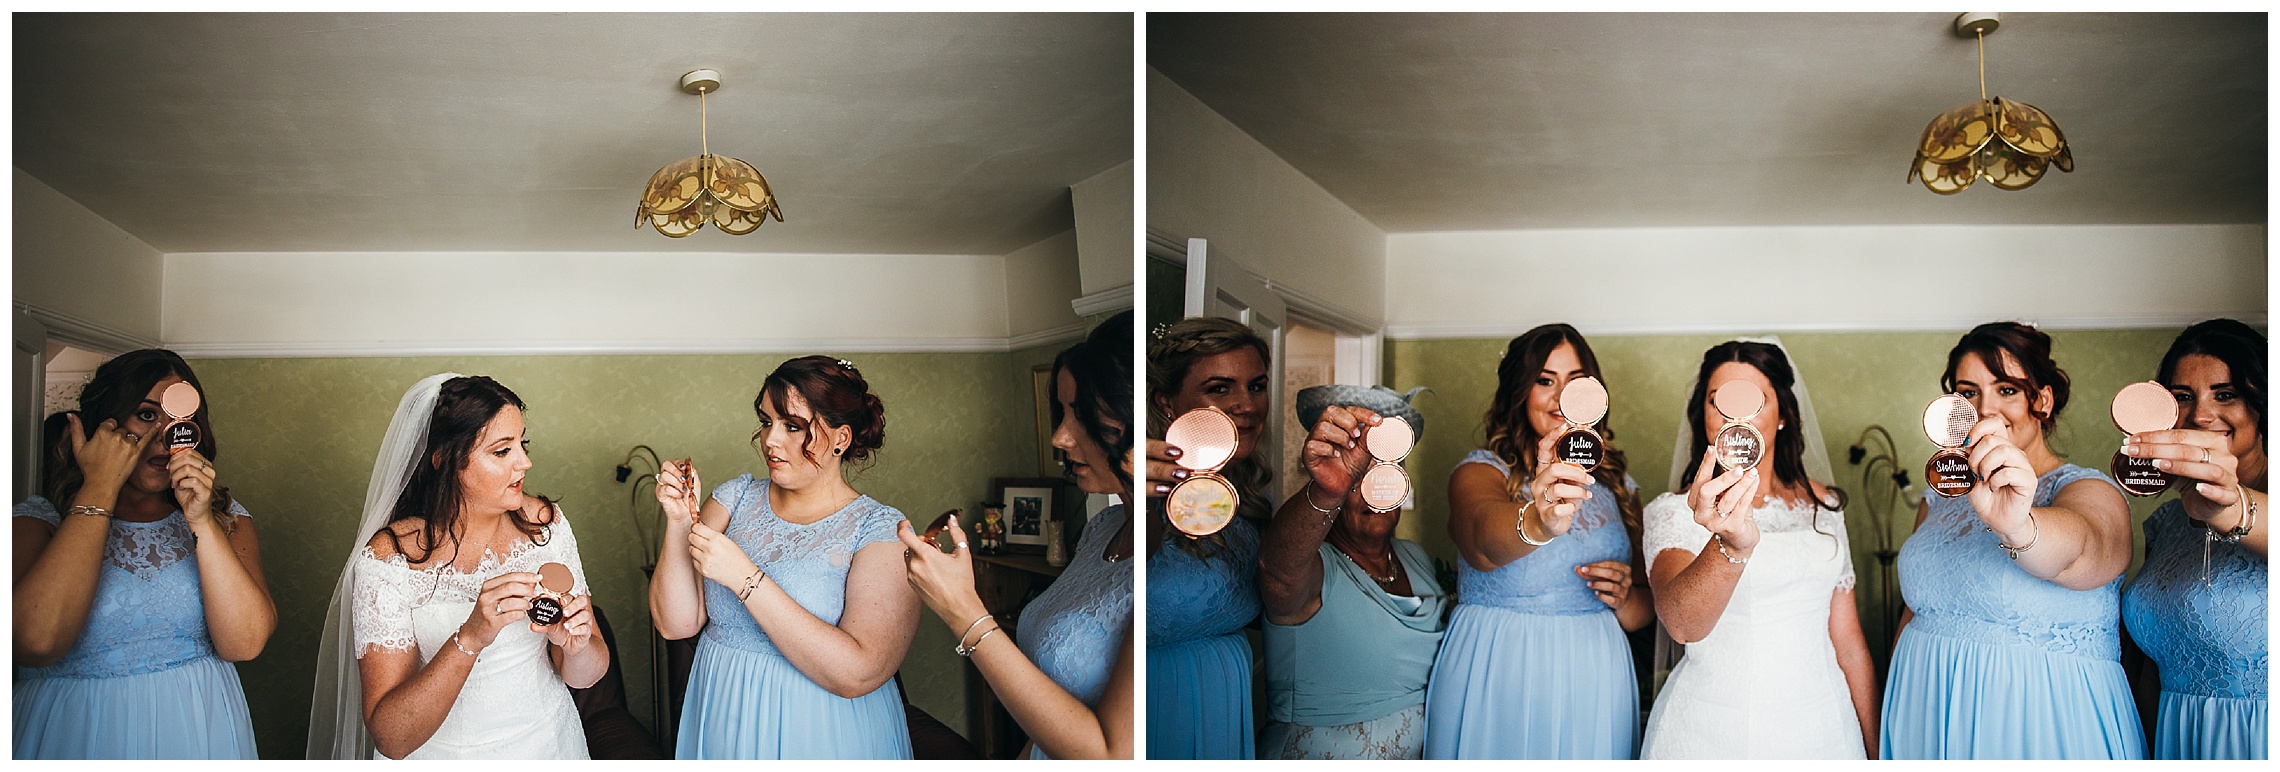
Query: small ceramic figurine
{"x": 991, "y": 534}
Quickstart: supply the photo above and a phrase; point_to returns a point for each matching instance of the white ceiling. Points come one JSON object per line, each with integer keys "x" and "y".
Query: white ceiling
{"x": 880, "y": 133}
{"x": 1426, "y": 122}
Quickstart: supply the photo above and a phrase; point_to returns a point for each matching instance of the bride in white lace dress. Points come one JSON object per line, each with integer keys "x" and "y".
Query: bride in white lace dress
{"x": 1753, "y": 572}
{"x": 448, "y": 662}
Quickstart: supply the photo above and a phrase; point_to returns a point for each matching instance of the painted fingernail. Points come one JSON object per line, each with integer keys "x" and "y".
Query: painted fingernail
{"x": 1172, "y": 450}
{"x": 1163, "y": 489}
{"x": 1180, "y": 474}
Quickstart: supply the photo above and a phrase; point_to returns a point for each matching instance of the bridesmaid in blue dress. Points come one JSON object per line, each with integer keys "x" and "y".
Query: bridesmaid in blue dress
{"x": 1535, "y": 665}
{"x": 2198, "y": 606}
{"x": 1203, "y": 591}
{"x": 800, "y": 579}
{"x": 133, "y": 600}
{"x": 1067, "y": 680}
{"x": 2010, "y": 642}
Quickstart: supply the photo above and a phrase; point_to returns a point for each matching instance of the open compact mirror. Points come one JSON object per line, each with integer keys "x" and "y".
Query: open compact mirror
{"x": 1948, "y": 421}
{"x": 180, "y": 401}
{"x": 1204, "y": 502}
{"x": 935, "y": 530}
{"x": 2142, "y": 407}
{"x": 1582, "y": 403}
{"x": 1386, "y": 484}
{"x": 1739, "y": 444}
{"x": 554, "y": 583}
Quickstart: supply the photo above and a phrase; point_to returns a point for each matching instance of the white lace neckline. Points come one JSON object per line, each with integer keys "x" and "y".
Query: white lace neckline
{"x": 490, "y": 564}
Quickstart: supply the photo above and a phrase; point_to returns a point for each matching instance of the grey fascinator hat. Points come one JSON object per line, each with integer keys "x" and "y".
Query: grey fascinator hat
{"x": 1378, "y": 399}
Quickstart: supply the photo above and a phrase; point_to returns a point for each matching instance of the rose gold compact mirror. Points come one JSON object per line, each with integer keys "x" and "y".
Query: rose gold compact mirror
{"x": 1739, "y": 444}
{"x": 1583, "y": 402}
{"x": 1204, "y": 502}
{"x": 2142, "y": 407}
{"x": 1948, "y": 421}
{"x": 554, "y": 583}
{"x": 180, "y": 401}
{"x": 1386, "y": 484}
{"x": 940, "y": 524}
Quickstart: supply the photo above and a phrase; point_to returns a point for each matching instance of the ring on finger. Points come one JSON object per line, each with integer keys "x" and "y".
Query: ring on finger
{"x": 2204, "y": 455}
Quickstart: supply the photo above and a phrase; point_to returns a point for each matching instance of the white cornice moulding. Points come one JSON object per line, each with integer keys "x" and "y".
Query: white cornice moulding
{"x": 1067, "y": 334}
{"x": 85, "y": 334}
{"x": 1958, "y": 325}
{"x": 1322, "y": 311}
{"x": 562, "y": 348}
{"x": 1105, "y": 301}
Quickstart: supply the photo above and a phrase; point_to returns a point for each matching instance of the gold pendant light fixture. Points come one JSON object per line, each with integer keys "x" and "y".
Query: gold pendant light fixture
{"x": 2007, "y": 143}
{"x": 703, "y": 188}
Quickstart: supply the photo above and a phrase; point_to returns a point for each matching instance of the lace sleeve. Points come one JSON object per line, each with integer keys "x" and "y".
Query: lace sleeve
{"x": 1670, "y": 525}
{"x": 1844, "y": 552}
{"x": 562, "y": 546}
{"x": 40, "y": 509}
{"x": 880, "y": 526}
{"x": 382, "y": 608}
{"x": 731, "y": 494}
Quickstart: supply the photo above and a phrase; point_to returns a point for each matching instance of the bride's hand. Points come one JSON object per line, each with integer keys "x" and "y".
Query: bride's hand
{"x": 718, "y": 557}
{"x": 575, "y": 630}
{"x": 503, "y": 601}
{"x": 1726, "y": 504}
{"x": 676, "y": 495}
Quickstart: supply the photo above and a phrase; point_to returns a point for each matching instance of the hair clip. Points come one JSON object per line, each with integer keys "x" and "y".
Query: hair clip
{"x": 1161, "y": 330}
{"x": 846, "y": 364}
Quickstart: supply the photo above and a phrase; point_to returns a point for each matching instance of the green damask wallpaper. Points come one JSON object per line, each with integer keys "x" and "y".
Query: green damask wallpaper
{"x": 298, "y": 435}
{"x": 1856, "y": 379}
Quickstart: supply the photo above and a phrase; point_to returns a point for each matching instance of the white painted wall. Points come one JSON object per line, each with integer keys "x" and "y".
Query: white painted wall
{"x": 1040, "y": 280}
{"x": 386, "y": 304}
{"x": 1207, "y": 179}
{"x": 1677, "y": 280}
{"x": 73, "y": 264}
{"x": 1105, "y": 245}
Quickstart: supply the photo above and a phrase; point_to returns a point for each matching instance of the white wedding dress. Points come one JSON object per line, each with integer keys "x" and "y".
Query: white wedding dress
{"x": 514, "y": 705}
{"x": 1764, "y": 684}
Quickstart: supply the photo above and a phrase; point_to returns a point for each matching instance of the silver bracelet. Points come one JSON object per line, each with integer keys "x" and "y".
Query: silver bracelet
{"x": 968, "y": 651}
{"x": 2014, "y": 551}
{"x": 1721, "y": 540}
{"x": 1521, "y": 525}
{"x": 970, "y": 631}
{"x": 1308, "y": 492}
{"x": 2247, "y": 521}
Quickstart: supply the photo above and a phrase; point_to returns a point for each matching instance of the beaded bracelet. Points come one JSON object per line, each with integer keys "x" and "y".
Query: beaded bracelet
{"x": 1721, "y": 540}
{"x": 2247, "y": 521}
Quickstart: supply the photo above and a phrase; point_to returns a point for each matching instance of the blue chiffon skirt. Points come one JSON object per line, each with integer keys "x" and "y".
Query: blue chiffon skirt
{"x": 2190, "y": 726}
{"x": 1199, "y": 699}
{"x": 1510, "y": 685}
{"x": 1950, "y": 698}
{"x": 194, "y": 711}
{"x": 755, "y": 705}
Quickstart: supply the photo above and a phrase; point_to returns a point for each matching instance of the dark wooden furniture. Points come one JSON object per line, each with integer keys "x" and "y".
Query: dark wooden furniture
{"x": 1007, "y": 581}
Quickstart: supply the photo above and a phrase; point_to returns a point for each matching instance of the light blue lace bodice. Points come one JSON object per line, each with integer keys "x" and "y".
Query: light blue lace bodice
{"x": 1544, "y": 582}
{"x": 149, "y": 614}
{"x": 809, "y": 561}
{"x": 2210, "y": 641}
{"x": 1191, "y": 598}
{"x": 1962, "y": 585}
{"x": 1074, "y": 629}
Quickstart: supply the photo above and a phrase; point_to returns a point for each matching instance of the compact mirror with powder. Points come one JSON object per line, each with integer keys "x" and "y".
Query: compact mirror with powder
{"x": 180, "y": 401}
{"x": 1386, "y": 484}
{"x": 1739, "y": 444}
{"x": 2142, "y": 407}
{"x": 935, "y": 529}
{"x": 1948, "y": 421}
{"x": 1204, "y": 502}
{"x": 554, "y": 583}
{"x": 1582, "y": 403}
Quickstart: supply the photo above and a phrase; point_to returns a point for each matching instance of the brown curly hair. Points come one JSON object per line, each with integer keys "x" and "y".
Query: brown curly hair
{"x": 1513, "y": 438}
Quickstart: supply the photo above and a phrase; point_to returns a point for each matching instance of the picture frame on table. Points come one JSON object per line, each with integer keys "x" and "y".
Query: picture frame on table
{"x": 1029, "y": 503}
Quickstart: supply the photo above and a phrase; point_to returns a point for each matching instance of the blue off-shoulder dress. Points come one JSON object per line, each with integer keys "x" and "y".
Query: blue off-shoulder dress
{"x": 1998, "y": 664}
{"x": 745, "y": 700}
{"x": 1534, "y": 665}
{"x": 2210, "y": 638}
{"x": 1076, "y": 628}
{"x": 143, "y": 680}
{"x": 1199, "y": 662}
